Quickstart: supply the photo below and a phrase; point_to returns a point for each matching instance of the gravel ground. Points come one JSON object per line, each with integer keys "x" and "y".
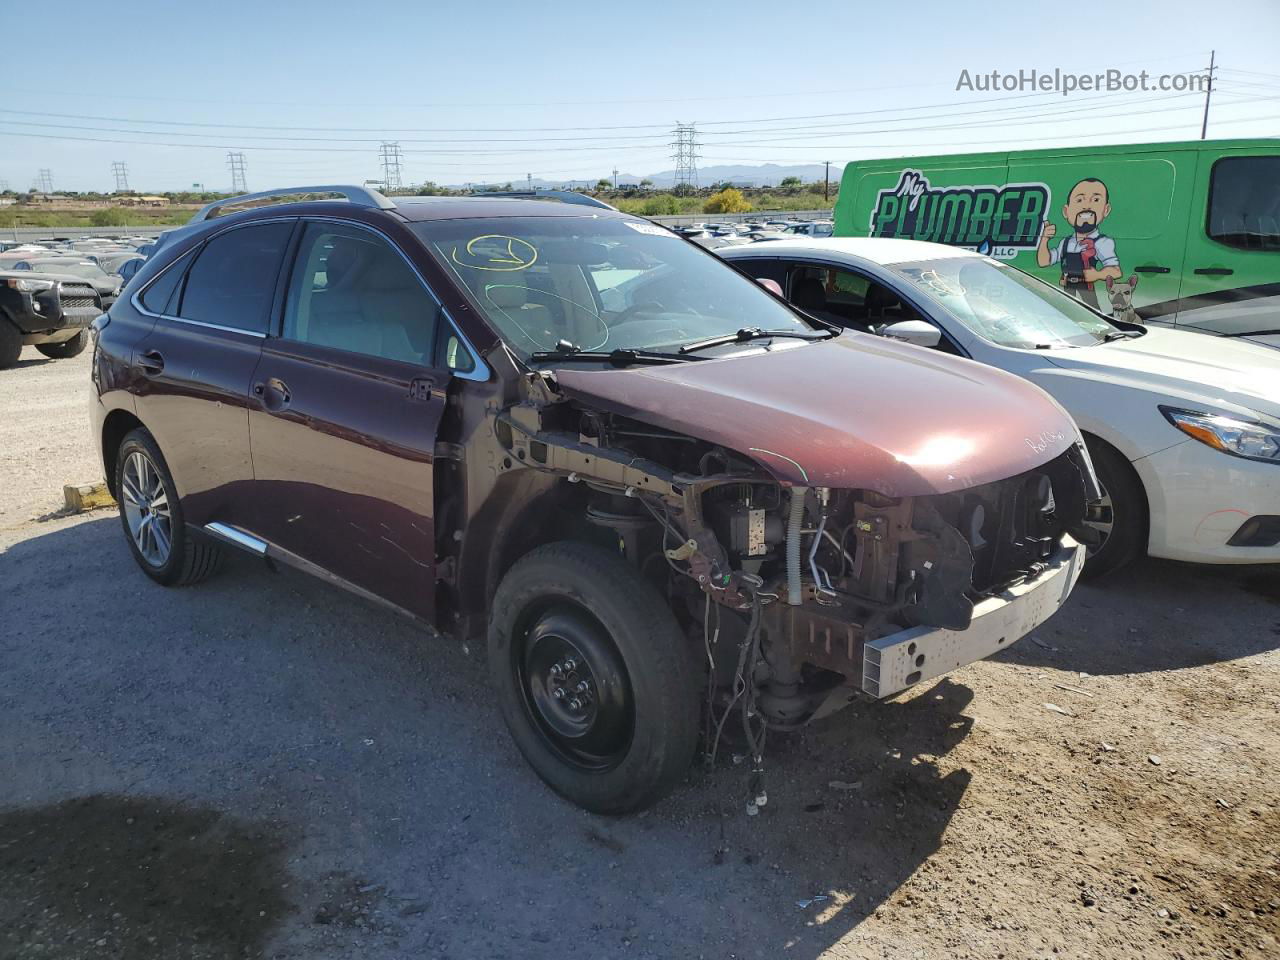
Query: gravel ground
{"x": 261, "y": 766}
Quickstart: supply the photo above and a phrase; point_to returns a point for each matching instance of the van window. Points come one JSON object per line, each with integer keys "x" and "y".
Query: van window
{"x": 233, "y": 280}
{"x": 1244, "y": 203}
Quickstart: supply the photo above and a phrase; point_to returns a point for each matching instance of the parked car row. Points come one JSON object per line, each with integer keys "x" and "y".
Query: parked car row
{"x": 716, "y": 235}
{"x": 667, "y": 498}
{"x": 47, "y": 304}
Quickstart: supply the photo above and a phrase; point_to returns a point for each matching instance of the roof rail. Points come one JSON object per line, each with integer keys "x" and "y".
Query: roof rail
{"x": 564, "y": 196}
{"x": 360, "y": 196}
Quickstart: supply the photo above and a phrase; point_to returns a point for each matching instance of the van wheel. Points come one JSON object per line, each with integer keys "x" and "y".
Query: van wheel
{"x": 152, "y": 517}
{"x": 10, "y": 343}
{"x": 1121, "y": 516}
{"x": 67, "y": 348}
{"x": 592, "y": 677}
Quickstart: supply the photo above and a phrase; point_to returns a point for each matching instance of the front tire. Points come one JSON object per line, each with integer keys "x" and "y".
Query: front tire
{"x": 10, "y": 343}
{"x": 593, "y": 678}
{"x": 67, "y": 348}
{"x": 1121, "y": 517}
{"x": 151, "y": 515}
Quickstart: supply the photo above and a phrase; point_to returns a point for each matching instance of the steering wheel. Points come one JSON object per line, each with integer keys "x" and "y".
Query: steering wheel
{"x": 626, "y": 314}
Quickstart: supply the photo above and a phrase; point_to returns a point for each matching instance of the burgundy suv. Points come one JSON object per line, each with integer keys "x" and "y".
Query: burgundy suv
{"x": 671, "y": 501}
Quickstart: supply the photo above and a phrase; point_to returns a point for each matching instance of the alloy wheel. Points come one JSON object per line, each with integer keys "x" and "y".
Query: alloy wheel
{"x": 146, "y": 509}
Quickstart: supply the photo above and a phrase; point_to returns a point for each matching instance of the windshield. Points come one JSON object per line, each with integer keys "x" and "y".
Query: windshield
{"x": 71, "y": 267}
{"x": 1004, "y": 305}
{"x": 599, "y": 284}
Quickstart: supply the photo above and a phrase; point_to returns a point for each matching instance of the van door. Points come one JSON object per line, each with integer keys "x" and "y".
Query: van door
{"x": 1231, "y": 272}
{"x": 1120, "y": 215}
{"x": 345, "y": 406}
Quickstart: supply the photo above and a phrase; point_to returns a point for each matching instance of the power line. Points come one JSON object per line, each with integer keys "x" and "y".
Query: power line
{"x": 685, "y": 154}
{"x": 235, "y": 161}
{"x": 121, "y": 173}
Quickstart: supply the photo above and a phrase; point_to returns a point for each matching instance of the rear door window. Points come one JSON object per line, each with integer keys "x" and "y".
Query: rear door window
{"x": 157, "y": 296}
{"x": 233, "y": 280}
{"x": 1244, "y": 203}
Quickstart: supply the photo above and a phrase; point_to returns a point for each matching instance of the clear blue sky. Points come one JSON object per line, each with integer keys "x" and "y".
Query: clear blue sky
{"x": 234, "y": 74}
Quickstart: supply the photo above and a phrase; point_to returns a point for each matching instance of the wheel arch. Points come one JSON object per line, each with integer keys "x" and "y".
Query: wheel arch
{"x": 115, "y": 427}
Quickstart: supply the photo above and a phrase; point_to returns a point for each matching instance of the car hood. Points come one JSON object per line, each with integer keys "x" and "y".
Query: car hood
{"x": 1194, "y": 368}
{"x": 856, "y": 412}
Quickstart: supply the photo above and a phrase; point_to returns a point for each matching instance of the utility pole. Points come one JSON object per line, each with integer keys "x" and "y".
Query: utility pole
{"x": 529, "y": 180}
{"x": 389, "y": 154}
{"x": 1208, "y": 92}
{"x": 615, "y": 178}
{"x": 684, "y": 146}
{"x": 121, "y": 173}
{"x": 235, "y": 161}
{"x": 826, "y": 181}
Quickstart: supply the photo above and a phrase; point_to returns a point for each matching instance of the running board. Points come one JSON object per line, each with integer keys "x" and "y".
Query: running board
{"x": 237, "y": 538}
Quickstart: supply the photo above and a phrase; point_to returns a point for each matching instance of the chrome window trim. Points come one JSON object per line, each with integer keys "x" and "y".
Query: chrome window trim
{"x": 482, "y": 372}
{"x": 136, "y": 299}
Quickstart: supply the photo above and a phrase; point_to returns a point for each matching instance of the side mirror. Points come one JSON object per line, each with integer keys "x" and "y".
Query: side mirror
{"x": 919, "y": 332}
{"x": 771, "y": 285}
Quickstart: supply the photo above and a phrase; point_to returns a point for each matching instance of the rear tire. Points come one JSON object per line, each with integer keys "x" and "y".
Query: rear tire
{"x": 151, "y": 516}
{"x": 10, "y": 343}
{"x": 622, "y": 730}
{"x": 67, "y": 348}
{"x": 1122, "y": 516}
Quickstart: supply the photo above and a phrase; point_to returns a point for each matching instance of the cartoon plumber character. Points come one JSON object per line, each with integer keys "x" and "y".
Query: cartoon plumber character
{"x": 1086, "y": 256}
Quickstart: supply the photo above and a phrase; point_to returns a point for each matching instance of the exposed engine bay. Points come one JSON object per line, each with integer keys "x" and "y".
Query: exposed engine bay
{"x": 785, "y": 585}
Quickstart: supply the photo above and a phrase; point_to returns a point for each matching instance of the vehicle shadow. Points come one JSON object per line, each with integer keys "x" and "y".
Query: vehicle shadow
{"x": 371, "y": 751}
{"x": 1204, "y": 614}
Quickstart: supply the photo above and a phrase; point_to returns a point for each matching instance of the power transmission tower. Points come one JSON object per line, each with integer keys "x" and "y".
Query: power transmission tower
{"x": 389, "y": 154}
{"x": 684, "y": 146}
{"x": 1208, "y": 92}
{"x": 235, "y": 161}
{"x": 45, "y": 180}
{"x": 121, "y": 173}
{"x": 4, "y": 186}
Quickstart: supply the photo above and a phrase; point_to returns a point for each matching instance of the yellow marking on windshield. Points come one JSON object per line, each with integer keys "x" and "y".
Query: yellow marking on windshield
{"x": 517, "y": 255}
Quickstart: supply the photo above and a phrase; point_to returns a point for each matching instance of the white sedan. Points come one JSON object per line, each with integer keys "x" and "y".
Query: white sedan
{"x": 1184, "y": 428}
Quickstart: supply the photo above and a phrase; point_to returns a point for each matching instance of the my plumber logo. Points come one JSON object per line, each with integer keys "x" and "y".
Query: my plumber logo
{"x": 997, "y": 221}
{"x": 1042, "y": 443}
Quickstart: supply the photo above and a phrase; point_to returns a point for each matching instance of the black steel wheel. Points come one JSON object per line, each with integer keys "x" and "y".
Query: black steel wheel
{"x": 576, "y": 689}
{"x": 593, "y": 678}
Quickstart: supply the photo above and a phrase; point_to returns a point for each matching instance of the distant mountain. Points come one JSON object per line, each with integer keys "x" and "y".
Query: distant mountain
{"x": 755, "y": 175}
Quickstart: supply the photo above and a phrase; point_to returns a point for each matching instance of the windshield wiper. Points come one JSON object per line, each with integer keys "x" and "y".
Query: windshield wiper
{"x": 1253, "y": 333}
{"x": 1122, "y": 335}
{"x": 622, "y": 357}
{"x": 751, "y": 333}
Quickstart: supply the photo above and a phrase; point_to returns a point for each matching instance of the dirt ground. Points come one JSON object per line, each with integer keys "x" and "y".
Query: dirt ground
{"x": 261, "y": 766}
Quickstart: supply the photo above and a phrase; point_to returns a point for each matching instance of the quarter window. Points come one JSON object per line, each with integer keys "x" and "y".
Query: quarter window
{"x": 233, "y": 280}
{"x": 352, "y": 291}
{"x": 1244, "y": 203}
{"x": 157, "y": 296}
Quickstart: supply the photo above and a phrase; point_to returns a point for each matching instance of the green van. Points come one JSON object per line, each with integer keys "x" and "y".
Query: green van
{"x": 1184, "y": 233}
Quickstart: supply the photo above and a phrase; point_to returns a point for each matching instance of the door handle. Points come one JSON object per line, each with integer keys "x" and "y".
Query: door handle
{"x": 151, "y": 362}
{"x": 275, "y": 394}
{"x": 1214, "y": 271}
{"x": 1151, "y": 269}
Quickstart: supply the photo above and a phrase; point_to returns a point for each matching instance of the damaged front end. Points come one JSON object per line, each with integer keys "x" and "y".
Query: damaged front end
{"x": 810, "y": 596}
